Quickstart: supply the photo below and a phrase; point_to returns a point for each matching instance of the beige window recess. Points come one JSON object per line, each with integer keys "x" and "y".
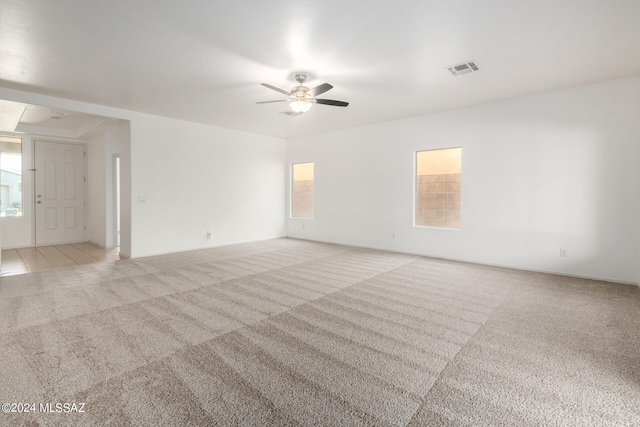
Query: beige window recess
{"x": 302, "y": 190}
{"x": 438, "y": 188}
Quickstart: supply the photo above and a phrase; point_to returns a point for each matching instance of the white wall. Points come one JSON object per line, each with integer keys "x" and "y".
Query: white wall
{"x": 540, "y": 173}
{"x": 96, "y": 184}
{"x": 229, "y": 182}
{"x": 126, "y": 205}
{"x": 196, "y": 178}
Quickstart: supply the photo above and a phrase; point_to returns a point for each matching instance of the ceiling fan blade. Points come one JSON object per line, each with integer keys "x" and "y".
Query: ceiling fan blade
{"x": 332, "y": 102}
{"x": 320, "y": 89}
{"x": 268, "y": 102}
{"x": 277, "y": 89}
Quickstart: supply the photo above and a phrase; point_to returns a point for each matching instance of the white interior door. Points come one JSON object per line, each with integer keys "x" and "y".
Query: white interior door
{"x": 60, "y": 193}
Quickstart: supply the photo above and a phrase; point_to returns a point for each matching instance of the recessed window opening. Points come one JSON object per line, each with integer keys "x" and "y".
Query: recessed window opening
{"x": 302, "y": 190}
{"x": 11, "y": 176}
{"x": 438, "y": 188}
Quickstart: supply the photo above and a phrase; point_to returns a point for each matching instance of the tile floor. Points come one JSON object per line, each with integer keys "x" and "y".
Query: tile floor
{"x": 44, "y": 258}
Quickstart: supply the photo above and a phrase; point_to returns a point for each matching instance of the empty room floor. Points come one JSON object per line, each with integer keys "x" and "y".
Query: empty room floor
{"x": 289, "y": 332}
{"x": 46, "y": 258}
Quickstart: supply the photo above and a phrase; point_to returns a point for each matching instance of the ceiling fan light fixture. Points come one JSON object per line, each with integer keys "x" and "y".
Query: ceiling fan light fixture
{"x": 300, "y": 105}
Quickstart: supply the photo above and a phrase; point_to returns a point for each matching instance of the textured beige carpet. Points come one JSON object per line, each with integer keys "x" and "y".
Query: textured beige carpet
{"x": 287, "y": 332}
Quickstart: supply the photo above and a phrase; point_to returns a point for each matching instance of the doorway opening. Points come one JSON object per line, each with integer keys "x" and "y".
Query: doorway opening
{"x": 116, "y": 200}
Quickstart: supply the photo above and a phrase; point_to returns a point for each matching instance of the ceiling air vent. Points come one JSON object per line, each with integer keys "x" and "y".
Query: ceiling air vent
{"x": 464, "y": 68}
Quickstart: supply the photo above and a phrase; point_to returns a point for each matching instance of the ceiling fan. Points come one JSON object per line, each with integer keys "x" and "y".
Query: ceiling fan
{"x": 301, "y": 98}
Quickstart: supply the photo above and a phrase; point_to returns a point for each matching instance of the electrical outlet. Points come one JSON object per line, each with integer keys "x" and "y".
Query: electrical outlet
{"x": 303, "y": 226}
{"x": 563, "y": 253}
{"x": 208, "y": 235}
{"x": 393, "y": 235}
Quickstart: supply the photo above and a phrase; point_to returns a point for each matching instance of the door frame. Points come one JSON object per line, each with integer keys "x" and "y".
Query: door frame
{"x": 85, "y": 186}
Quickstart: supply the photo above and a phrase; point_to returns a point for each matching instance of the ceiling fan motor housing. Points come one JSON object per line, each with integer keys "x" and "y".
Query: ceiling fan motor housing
{"x": 300, "y": 92}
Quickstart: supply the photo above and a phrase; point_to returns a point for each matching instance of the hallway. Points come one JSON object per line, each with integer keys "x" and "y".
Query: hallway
{"x": 45, "y": 258}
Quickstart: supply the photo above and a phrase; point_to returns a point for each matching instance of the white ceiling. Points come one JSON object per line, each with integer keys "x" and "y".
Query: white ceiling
{"x": 203, "y": 61}
{"x": 38, "y": 120}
